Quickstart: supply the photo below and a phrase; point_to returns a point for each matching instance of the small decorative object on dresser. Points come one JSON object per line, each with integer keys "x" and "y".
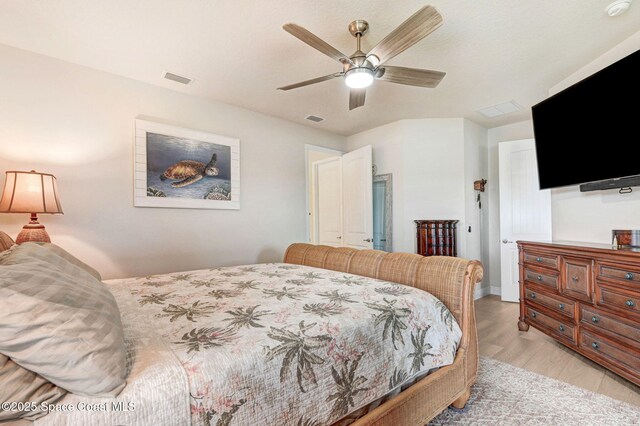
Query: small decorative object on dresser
{"x": 587, "y": 297}
{"x": 31, "y": 192}
{"x": 626, "y": 237}
{"x": 437, "y": 237}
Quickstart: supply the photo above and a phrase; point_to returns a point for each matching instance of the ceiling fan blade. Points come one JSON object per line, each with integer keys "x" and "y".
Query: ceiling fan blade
{"x": 316, "y": 42}
{"x": 356, "y": 98}
{"x": 410, "y": 76}
{"x": 308, "y": 82}
{"x": 418, "y": 26}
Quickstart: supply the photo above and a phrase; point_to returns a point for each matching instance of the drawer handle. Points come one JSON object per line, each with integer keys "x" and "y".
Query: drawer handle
{"x": 538, "y": 259}
{"x": 561, "y": 306}
{"x": 539, "y": 277}
{"x": 532, "y": 295}
{"x": 630, "y": 303}
{"x": 533, "y": 314}
{"x": 628, "y": 276}
{"x": 595, "y": 345}
{"x": 561, "y": 328}
{"x": 595, "y": 319}
{"x": 575, "y": 278}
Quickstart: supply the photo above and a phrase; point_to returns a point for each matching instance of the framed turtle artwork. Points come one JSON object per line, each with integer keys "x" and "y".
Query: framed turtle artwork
{"x": 183, "y": 168}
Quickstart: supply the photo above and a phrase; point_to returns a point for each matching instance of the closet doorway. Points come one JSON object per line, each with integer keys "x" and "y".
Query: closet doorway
{"x": 341, "y": 200}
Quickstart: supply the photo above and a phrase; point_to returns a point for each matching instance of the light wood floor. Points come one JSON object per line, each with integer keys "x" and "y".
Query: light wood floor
{"x": 532, "y": 350}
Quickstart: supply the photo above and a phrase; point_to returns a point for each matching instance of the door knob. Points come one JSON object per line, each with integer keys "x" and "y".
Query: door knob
{"x": 505, "y": 241}
{"x": 368, "y": 240}
{"x": 339, "y": 238}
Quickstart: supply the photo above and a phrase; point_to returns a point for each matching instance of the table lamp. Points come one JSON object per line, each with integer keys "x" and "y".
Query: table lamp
{"x": 31, "y": 192}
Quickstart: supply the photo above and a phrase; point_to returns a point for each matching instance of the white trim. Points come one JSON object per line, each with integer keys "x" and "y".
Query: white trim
{"x": 486, "y": 291}
{"x": 480, "y": 292}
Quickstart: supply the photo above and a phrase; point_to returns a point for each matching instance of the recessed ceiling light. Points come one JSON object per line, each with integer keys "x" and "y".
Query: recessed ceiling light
{"x": 178, "y": 78}
{"x": 314, "y": 118}
{"x": 618, "y": 7}
{"x": 500, "y": 109}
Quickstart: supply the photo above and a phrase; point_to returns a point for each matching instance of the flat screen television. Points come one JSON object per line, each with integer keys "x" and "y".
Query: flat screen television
{"x": 591, "y": 130}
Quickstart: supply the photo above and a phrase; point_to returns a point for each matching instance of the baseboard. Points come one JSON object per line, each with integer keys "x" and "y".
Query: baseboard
{"x": 481, "y": 292}
{"x": 485, "y": 291}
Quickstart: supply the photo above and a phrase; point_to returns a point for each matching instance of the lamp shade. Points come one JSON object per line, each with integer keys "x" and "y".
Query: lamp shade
{"x": 30, "y": 192}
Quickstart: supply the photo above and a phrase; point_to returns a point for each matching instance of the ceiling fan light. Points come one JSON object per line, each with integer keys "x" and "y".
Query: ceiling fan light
{"x": 358, "y": 78}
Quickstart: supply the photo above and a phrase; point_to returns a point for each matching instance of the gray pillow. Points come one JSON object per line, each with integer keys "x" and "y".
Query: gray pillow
{"x": 58, "y": 321}
{"x": 72, "y": 259}
{"x": 18, "y": 385}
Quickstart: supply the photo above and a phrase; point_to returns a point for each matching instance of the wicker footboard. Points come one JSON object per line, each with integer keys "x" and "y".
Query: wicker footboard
{"x": 450, "y": 279}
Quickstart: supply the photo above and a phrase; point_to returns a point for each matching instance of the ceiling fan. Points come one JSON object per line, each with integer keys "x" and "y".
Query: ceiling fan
{"x": 361, "y": 69}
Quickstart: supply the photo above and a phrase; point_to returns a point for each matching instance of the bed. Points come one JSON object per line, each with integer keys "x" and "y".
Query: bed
{"x": 329, "y": 336}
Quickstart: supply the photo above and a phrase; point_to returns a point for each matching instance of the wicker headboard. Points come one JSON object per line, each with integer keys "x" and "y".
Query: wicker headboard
{"x": 444, "y": 277}
{"x": 5, "y": 241}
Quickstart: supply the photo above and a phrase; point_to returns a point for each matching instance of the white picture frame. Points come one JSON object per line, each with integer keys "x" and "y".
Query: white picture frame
{"x": 166, "y": 159}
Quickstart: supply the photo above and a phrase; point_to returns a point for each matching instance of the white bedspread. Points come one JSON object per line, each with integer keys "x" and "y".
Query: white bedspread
{"x": 270, "y": 344}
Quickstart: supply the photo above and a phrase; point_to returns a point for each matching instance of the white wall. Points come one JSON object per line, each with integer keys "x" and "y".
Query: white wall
{"x": 591, "y": 216}
{"x": 476, "y": 167}
{"x": 434, "y": 163}
{"x": 78, "y": 123}
{"x": 576, "y": 216}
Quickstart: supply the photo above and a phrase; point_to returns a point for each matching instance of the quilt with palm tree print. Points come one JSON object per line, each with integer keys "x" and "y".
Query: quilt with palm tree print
{"x": 280, "y": 344}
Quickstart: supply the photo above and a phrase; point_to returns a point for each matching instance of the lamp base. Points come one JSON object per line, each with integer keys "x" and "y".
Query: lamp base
{"x": 33, "y": 232}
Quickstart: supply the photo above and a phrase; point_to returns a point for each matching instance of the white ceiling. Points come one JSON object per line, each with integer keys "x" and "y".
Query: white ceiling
{"x": 236, "y": 51}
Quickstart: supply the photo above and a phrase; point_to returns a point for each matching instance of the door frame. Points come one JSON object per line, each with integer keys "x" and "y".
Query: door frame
{"x": 388, "y": 206}
{"x": 309, "y": 178}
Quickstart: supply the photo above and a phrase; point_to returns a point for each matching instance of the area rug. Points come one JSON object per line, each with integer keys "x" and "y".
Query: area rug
{"x": 508, "y": 395}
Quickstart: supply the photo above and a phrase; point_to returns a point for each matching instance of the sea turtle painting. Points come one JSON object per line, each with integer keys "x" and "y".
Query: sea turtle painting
{"x": 187, "y": 172}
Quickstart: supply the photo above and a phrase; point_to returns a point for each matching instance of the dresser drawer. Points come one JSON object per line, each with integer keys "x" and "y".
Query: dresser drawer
{"x": 554, "y": 302}
{"x": 563, "y": 329}
{"x": 541, "y": 278}
{"x": 613, "y": 352}
{"x": 610, "y": 323}
{"x": 617, "y": 298}
{"x": 546, "y": 260}
{"x": 577, "y": 279}
{"x": 620, "y": 274}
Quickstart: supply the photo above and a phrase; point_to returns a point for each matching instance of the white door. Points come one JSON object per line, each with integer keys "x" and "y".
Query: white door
{"x": 525, "y": 210}
{"x": 357, "y": 202}
{"x": 328, "y": 191}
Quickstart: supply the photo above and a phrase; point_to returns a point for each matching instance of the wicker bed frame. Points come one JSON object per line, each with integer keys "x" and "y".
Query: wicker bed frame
{"x": 452, "y": 280}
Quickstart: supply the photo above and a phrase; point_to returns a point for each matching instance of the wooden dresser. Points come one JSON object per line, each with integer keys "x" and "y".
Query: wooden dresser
{"x": 587, "y": 297}
{"x": 437, "y": 237}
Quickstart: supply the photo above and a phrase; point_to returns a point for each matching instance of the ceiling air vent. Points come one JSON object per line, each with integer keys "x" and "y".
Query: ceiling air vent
{"x": 314, "y": 118}
{"x": 500, "y": 109}
{"x": 177, "y": 78}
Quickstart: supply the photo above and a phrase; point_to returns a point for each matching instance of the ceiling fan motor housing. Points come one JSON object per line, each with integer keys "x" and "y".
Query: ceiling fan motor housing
{"x": 359, "y": 27}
